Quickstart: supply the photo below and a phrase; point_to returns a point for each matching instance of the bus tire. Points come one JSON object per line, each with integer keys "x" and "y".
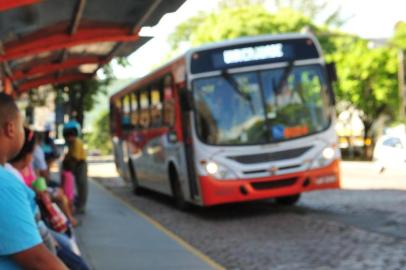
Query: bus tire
{"x": 177, "y": 193}
{"x": 288, "y": 200}
{"x": 137, "y": 190}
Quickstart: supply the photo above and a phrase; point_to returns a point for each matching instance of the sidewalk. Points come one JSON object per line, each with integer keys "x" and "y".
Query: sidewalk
{"x": 114, "y": 236}
{"x": 366, "y": 175}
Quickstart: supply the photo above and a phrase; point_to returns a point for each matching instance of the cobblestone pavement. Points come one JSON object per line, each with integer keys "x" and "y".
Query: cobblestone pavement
{"x": 339, "y": 229}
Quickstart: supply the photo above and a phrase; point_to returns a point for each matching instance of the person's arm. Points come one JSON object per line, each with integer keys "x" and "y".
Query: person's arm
{"x": 43, "y": 173}
{"x": 39, "y": 163}
{"x": 37, "y": 258}
{"x": 19, "y": 235}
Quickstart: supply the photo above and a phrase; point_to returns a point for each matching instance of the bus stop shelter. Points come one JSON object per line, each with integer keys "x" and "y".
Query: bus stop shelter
{"x": 62, "y": 41}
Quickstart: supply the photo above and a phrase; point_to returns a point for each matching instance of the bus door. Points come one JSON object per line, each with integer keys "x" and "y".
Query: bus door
{"x": 188, "y": 151}
{"x": 174, "y": 148}
{"x": 120, "y": 142}
{"x": 115, "y": 131}
{"x": 142, "y": 161}
{"x": 156, "y": 143}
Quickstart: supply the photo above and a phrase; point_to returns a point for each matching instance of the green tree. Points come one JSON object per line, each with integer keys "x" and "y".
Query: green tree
{"x": 248, "y": 21}
{"x": 184, "y": 33}
{"x": 99, "y": 139}
{"x": 399, "y": 43}
{"x": 399, "y": 38}
{"x": 367, "y": 79}
{"x": 232, "y": 22}
{"x": 318, "y": 10}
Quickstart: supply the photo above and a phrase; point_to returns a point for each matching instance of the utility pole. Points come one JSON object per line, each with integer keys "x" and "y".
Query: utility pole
{"x": 401, "y": 80}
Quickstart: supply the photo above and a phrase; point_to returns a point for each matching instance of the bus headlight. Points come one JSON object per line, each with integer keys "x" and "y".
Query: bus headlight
{"x": 328, "y": 153}
{"x": 218, "y": 171}
{"x": 212, "y": 167}
{"x": 325, "y": 157}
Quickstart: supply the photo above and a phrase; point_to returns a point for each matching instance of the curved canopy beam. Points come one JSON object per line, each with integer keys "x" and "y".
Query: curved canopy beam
{"x": 57, "y": 41}
{"x": 59, "y": 66}
{"x": 52, "y": 80}
{"x": 40, "y": 41}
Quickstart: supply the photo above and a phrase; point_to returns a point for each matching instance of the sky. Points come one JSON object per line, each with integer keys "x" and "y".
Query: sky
{"x": 367, "y": 18}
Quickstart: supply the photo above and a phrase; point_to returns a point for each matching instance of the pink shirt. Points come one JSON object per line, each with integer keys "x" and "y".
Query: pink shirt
{"x": 68, "y": 184}
{"x": 28, "y": 175}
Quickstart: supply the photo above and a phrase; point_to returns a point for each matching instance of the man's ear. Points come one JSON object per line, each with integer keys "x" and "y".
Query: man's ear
{"x": 9, "y": 129}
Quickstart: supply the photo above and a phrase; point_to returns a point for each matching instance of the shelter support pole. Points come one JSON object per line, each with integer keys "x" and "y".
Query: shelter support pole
{"x": 7, "y": 86}
{"x": 401, "y": 81}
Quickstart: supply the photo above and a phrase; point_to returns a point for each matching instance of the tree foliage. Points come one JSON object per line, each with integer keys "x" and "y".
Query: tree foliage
{"x": 185, "y": 30}
{"x": 399, "y": 38}
{"x": 100, "y": 137}
{"x": 236, "y": 20}
{"x": 231, "y": 23}
{"x": 317, "y": 10}
{"x": 367, "y": 78}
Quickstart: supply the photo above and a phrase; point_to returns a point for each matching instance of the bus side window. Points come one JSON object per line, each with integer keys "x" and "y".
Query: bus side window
{"x": 126, "y": 112}
{"x": 144, "y": 105}
{"x": 135, "y": 112}
{"x": 169, "y": 102}
{"x": 156, "y": 106}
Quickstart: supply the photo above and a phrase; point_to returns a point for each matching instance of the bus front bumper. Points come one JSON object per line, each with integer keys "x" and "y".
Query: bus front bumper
{"x": 228, "y": 191}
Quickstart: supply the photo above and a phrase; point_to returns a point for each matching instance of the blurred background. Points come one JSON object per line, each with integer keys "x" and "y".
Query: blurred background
{"x": 360, "y": 226}
{"x": 365, "y": 42}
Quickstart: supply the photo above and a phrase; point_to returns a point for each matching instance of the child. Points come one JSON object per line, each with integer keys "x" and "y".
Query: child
{"x": 68, "y": 182}
{"x": 76, "y": 155}
{"x": 22, "y": 162}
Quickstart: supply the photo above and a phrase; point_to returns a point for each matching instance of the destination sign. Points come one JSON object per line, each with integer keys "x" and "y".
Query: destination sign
{"x": 256, "y": 53}
{"x": 253, "y": 53}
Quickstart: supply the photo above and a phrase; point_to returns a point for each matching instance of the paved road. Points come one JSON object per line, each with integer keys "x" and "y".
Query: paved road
{"x": 339, "y": 229}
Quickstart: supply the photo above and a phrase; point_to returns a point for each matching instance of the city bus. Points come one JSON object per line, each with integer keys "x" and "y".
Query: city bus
{"x": 240, "y": 120}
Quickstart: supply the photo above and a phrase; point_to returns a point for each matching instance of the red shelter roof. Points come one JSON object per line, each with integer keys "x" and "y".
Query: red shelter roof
{"x": 60, "y": 41}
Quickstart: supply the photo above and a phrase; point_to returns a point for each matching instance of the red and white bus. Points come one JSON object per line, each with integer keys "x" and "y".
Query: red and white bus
{"x": 245, "y": 119}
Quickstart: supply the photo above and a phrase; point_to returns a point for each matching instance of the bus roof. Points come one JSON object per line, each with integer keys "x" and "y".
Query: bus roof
{"x": 161, "y": 70}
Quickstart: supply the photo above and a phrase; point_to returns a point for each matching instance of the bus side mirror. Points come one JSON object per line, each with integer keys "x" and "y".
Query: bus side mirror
{"x": 332, "y": 72}
{"x": 186, "y": 100}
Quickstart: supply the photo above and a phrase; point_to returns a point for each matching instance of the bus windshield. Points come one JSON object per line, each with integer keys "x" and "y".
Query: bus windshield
{"x": 261, "y": 110}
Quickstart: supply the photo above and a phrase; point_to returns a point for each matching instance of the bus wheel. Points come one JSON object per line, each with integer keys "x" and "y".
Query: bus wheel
{"x": 288, "y": 200}
{"x": 137, "y": 190}
{"x": 179, "y": 198}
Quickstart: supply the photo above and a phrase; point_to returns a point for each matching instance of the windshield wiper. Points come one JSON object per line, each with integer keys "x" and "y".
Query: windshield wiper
{"x": 237, "y": 88}
{"x": 235, "y": 85}
{"x": 284, "y": 77}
